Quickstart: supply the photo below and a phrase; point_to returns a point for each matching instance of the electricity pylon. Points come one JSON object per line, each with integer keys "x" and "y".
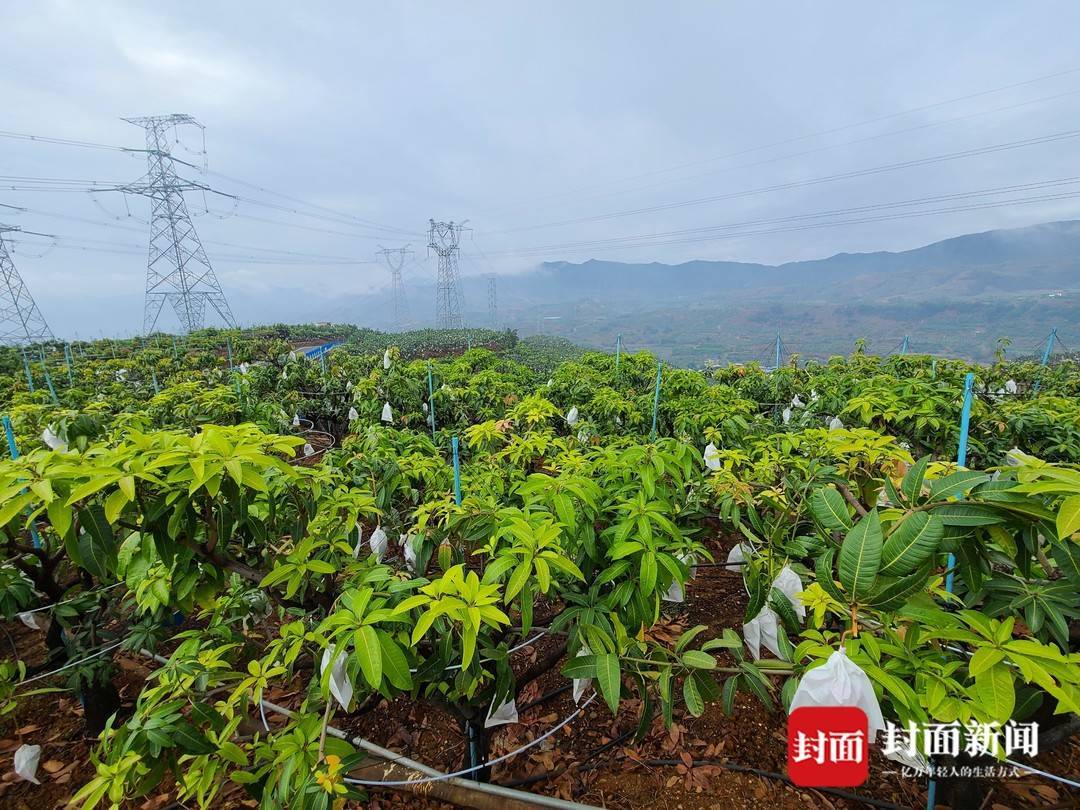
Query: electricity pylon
{"x": 20, "y": 319}
{"x": 177, "y": 268}
{"x": 493, "y": 302}
{"x": 395, "y": 260}
{"x": 443, "y": 238}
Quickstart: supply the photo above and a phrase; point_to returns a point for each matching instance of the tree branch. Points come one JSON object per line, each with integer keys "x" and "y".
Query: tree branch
{"x": 852, "y": 500}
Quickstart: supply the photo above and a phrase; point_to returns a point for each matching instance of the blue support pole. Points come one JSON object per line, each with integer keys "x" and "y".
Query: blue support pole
{"x": 431, "y": 400}
{"x": 1046, "y": 354}
{"x": 14, "y": 450}
{"x": 10, "y": 434}
{"x": 228, "y": 348}
{"x": 778, "y": 350}
{"x": 69, "y": 360}
{"x": 905, "y": 345}
{"x": 26, "y": 368}
{"x": 48, "y": 378}
{"x": 153, "y": 379}
{"x": 457, "y": 471}
{"x": 961, "y": 458}
{"x": 933, "y": 369}
{"x": 618, "y": 351}
{"x": 656, "y": 396}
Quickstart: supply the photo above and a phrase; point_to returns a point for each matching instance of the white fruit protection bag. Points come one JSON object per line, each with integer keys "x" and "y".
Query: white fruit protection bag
{"x": 340, "y": 685}
{"x": 840, "y": 682}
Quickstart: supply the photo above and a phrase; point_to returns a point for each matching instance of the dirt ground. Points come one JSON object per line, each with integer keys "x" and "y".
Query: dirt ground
{"x": 593, "y": 760}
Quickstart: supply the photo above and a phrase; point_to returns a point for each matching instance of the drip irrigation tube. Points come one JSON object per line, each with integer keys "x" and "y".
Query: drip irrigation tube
{"x": 536, "y": 741}
{"x": 71, "y": 664}
{"x": 432, "y": 774}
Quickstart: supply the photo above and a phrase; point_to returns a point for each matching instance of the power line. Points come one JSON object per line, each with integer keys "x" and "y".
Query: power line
{"x": 826, "y": 147}
{"x": 813, "y": 226}
{"x": 365, "y": 222}
{"x": 815, "y": 134}
{"x": 645, "y": 239}
{"x": 22, "y": 136}
{"x": 888, "y": 167}
{"x": 120, "y": 249}
{"x": 341, "y": 218}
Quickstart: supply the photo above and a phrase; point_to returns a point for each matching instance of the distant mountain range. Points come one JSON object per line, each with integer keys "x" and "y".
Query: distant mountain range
{"x": 1039, "y": 258}
{"x": 954, "y": 297}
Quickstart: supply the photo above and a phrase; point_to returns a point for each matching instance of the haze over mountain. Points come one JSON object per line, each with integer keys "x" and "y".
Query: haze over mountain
{"x": 954, "y": 296}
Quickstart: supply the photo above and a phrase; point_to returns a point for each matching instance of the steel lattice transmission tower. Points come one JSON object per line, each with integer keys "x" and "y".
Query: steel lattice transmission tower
{"x": 20, "y": 319}
{"x": 493, "y": 302}
{"x": 443, "y": 238}
{"x": 177, "y": 268}
{"x": 395, "y": 259}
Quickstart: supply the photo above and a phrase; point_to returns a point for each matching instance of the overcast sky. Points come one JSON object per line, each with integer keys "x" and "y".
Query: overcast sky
{"x": 513, "y": 116}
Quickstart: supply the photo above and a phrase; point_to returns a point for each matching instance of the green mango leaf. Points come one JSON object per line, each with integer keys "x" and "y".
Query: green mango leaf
{"x": 995, "y": 691}
{"x": 823, "y": 569}
{"x": 190, "y": 740}
{"x": 1068, "y": 519}
{"x": 913, "y": 540}
{"x": 696, "y": 659}
{"x": 607, "y": 677}
{"x": 369, "y": 651}
{"x": 1067, "y": 556}
{"x": 912, "y": 485}
{"x": 692, "y": 695}
{"x": 830, "y": 509}
{"x": 860, "y": 556}
{"x": 395, "y": 665}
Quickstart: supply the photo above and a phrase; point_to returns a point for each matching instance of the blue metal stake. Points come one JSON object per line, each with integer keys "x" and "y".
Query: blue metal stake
{"x": 14, "y": 450}
{"x": 153, "y": 378}
{"x": 905, "y": 345}
{"x": 961, "y": 460}
{"x": 1046, "y": 354}
{"x": 933, "y": 369}
{"x": 961, "y": 457}
{"x": 618, "y": 351}
{"x": 431, "y": 400}
{"x": 778, "y": 350}
{"x": 26, "y": 368}
{"x": 70, "y": 363}
{"x": 656, "y": 396}
{"x": 48, "y": 378}
{"x": 457, "y": 471}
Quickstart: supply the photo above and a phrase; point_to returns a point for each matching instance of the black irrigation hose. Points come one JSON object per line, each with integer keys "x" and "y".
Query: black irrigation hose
{"x": 731, "y": 766}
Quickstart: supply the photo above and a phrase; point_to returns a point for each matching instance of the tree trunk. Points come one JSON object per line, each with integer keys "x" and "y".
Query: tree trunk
{"x": 100, "y": 702}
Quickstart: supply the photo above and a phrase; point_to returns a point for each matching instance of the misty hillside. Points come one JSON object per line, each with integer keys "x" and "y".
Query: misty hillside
{"x": 1037, "y": 258}
{"x": 957, "y": 297}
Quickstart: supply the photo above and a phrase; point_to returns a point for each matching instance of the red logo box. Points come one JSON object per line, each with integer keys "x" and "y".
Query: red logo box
{"x": 828, "y": 746}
